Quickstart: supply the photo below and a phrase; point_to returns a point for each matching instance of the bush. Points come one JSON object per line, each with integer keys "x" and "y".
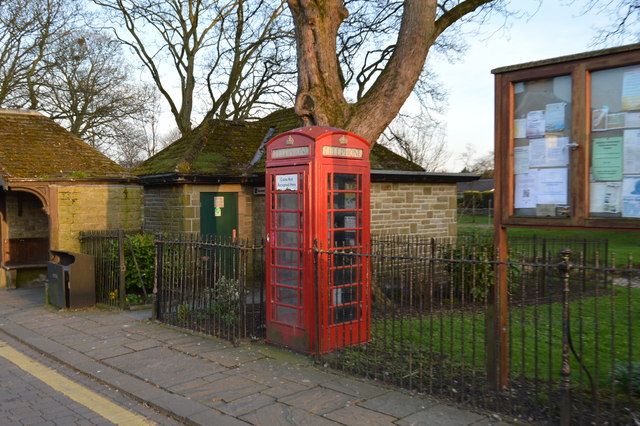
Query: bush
{"x": 478, "y": 277}
{"x": 622, "y": 377}
{"x": 487, "y": 199}
{"x": 140, "y": 271}
{"x": 471, "y": 199}
{"x": 226, "y": 295}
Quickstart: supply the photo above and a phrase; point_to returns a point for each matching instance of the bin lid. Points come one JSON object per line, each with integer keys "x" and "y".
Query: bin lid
{"x": 65, "y": 258}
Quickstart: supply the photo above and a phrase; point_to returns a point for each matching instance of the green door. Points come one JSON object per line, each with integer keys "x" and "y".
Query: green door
{"x": 219, "y": 214}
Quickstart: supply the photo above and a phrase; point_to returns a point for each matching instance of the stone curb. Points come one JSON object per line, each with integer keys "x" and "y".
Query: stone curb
{"x": 172, "y": 405}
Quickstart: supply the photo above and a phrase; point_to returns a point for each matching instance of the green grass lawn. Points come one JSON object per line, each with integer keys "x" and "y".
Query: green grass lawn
{"x": 621, "y": 243}
{"x": 456, "y": 339}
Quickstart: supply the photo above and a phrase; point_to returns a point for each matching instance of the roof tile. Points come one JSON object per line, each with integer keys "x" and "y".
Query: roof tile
{"x": 33, "y": 146}
{"x": 226, "y": 148}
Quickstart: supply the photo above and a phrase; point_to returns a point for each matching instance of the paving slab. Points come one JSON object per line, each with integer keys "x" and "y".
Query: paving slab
{"x": 213, "y": 417}
{"x": 286, "y": 388}
{"x": 227, "y": 390}
{"x": 144, "y": 343}
{"x": 232, "y": 357}
{"x": 354, "y": 387}
{"x": 396, "y": 404}
{"x": 440, "y": 415}
{"x": 202, "y": 380}
{"x": 244, "y": 405}
{"x": 202, "y": 346}
{"x": 319, "y": 400}
{"x": 281, "y": 414}
{"x": 357, "y": 416}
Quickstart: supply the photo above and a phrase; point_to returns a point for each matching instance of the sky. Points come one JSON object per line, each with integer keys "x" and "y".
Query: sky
{"x": 554, "y": 30}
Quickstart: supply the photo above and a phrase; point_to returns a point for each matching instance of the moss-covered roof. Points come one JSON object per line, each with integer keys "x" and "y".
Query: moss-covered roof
{"x": 226, "y": 148}
{"x": 33, "y": 146}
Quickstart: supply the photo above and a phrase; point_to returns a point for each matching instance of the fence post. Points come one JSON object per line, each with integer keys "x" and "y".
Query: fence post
{"x": 497, "y": 318}
{"x": 157, "y": 276}
{"x": 123, "y": 268}
{"x": 564, "y": 267}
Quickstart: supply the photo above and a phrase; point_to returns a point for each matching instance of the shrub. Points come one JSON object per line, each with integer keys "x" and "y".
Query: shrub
{"x": 226, "y": 295}
{"x": 487, "y": 199}
{"x": 140, "y": 271}
{"x": 623, "y": 379}
{"x": 478, "y": 276}
{"x": 471, "y": 199}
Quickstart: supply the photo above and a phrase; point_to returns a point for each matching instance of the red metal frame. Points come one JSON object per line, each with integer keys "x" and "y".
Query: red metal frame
{"x": 326, "y": 316}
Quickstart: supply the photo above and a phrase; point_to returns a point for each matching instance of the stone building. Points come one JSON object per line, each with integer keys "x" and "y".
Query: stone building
{"x": 52, "y": 186}
{"x": 211, "y": 182}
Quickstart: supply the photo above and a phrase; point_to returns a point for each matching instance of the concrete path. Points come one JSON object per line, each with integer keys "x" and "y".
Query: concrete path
{"x": 202, "y": 380}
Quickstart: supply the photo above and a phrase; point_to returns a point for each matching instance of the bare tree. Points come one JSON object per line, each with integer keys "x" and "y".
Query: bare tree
{"x": 88, "y": 90}
{"x": 624, "y": 20}
{"x": 228, "y": 49}
{"x": 28, "y": 30}
{"x": 477, "y": 163}
{"x": 321, "y": 98}
{"x": 419, "y": 139}
{"x": 253, "y": 69}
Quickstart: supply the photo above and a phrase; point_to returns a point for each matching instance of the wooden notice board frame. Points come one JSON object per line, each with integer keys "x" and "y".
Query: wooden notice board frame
{"x": 580, "y": 68}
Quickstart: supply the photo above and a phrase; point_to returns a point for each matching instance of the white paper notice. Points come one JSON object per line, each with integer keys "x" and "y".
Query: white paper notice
{"x": 554, "y": 117}
{"x": 287, "y": 182}
{"x": 520, "y": 160}
{"x": 631, "y": 196}
{"x": 551, "y": 151}
{"x": 632, "y": 119}
{"x": 535, "y": 124}
{"x": 552, "y": 186}
{"x": 631, "y": 153}
{"x": 599, "y": 119}
{"x": 631, "y": 90}
{"x": 605, "y": 197}
{"x": 525, "y": 190}
{"x": 520, "y": 128}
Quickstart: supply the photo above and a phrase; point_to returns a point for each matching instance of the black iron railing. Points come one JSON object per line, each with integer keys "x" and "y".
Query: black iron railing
{"x": 570, "y": 325}
{"x": 210, "y": 285}
{"x": 573, "y": 341}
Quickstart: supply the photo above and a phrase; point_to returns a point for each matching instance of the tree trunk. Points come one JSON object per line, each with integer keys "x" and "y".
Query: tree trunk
{"x": 320, "y": 99}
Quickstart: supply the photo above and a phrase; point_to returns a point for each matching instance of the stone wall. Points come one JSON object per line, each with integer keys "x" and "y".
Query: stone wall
{"x": 94, "y": 207}
{"x": 164, "y": 208}
{"x": 259, "y": 217}
{"x": 396, "y": 208}
{"x": 25, "y": 216}
{"x": 176, "y": 208}
{"x": 413, "y": 208}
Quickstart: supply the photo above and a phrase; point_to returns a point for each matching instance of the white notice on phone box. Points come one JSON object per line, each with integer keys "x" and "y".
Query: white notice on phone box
{"x": 287, "y": 182}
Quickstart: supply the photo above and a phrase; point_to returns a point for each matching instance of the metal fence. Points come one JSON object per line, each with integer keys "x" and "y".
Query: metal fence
{"x": 123, "y": 265}
{"x": 108, "y": 249}
{"x": 572, "y": 344}
{"x": 214, "y": 286}
{"x": 573, "y": 348}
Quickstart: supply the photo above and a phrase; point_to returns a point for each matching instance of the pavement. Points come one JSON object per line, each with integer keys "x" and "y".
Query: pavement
{"x": 168, "y": 375}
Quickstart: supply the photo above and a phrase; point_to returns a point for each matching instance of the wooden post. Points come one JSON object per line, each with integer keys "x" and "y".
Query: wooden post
{"x": 123, "y": 268}
{"x": 497, "y": 318}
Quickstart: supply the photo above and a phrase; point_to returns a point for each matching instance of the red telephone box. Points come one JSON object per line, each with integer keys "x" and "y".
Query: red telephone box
{"x": 317, "y": 191}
